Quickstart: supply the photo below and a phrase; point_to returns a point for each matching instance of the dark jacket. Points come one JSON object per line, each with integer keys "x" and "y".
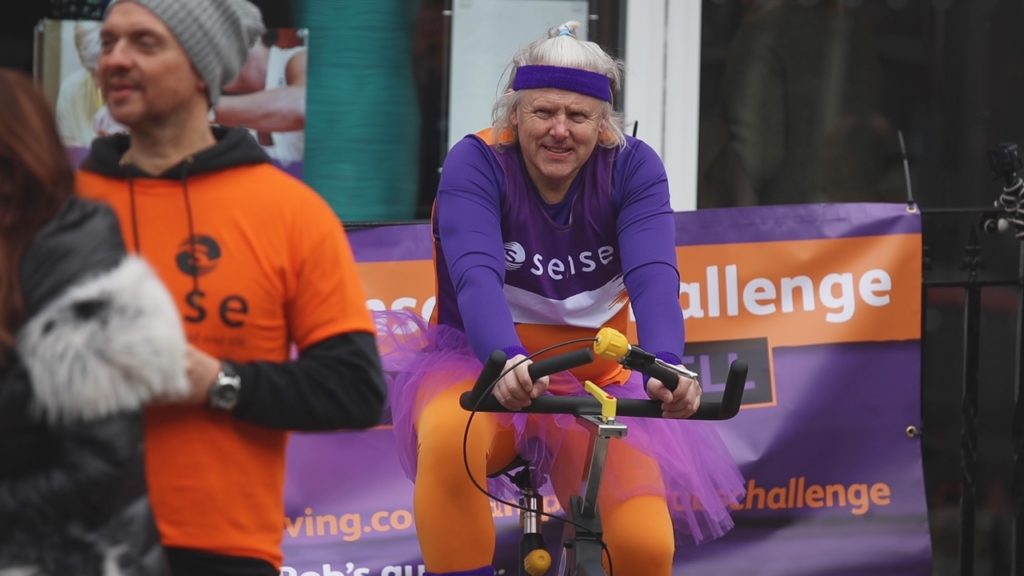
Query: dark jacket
{"x": 102, "y": 339}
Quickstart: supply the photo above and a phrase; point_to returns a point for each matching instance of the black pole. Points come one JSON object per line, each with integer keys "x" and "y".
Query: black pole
{"x": 1017, "y": 486}
{"x": 969, "y": 408}
{"x": 1006, "y": 161}
{"x": 991, "y": 221}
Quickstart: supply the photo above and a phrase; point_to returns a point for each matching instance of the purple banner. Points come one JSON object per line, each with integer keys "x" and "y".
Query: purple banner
{"x": 835, "y": 483}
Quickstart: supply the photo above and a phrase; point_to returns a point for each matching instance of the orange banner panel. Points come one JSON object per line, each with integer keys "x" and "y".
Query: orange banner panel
{"x": 803, "y": 292}
{"x": 792, "y": 293}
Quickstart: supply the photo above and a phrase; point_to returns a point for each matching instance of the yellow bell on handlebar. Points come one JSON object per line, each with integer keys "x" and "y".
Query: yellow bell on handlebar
{"x": 610, "y": 343}
{"x": 608, "y": 402}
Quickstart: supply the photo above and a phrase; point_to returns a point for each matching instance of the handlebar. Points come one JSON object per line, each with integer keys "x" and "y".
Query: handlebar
{"x": 476, "y": 400}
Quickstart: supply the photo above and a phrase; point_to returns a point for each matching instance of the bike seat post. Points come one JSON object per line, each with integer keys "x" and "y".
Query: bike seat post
{"x": 531, "y": 501}
{"x": 602, "y": 432}
{"x": 530, "y": 515}
{"x": 533, "y": 557}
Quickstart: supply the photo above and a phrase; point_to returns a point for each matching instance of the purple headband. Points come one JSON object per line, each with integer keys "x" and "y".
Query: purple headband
{"x": 573, "y": 79}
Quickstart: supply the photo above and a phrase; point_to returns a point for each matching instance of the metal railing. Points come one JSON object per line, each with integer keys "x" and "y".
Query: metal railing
{"x": 1004, "y": 217}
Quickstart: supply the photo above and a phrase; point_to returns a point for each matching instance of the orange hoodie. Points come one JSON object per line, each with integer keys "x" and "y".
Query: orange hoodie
{"x": 256, "y": 261}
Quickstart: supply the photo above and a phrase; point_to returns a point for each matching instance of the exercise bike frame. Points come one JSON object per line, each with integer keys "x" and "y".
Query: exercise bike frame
{"x": 582, "y": 544}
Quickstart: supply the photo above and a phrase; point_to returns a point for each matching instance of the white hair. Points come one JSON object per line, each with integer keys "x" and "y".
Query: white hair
{"x": 562, "y": 48}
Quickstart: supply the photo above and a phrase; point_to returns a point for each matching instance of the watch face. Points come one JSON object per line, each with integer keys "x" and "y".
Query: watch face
{"x": 224, "y": 394}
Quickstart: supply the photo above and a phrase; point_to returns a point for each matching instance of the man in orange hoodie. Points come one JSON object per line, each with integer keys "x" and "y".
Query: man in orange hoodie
{"x": 256, "y": 261}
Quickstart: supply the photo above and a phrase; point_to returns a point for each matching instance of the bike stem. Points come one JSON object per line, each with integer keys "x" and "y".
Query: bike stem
{"x": 601, "y": 433}
{"x": 581, "y": 555}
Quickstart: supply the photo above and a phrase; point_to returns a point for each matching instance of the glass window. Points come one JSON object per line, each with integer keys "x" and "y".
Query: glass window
{"x": 821, "y": 101}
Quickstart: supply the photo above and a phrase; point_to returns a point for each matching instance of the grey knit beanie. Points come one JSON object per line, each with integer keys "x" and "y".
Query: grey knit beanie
{"x": 216, "y": 34}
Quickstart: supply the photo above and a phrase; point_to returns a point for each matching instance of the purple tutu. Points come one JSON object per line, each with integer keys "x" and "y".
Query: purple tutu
{"x": 683, "y": 461}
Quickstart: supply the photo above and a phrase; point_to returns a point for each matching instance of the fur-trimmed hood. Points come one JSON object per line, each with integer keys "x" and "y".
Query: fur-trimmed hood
{"x": 111, "y": 343}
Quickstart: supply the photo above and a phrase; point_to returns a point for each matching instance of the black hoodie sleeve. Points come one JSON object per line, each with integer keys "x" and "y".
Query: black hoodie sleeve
{"x": 336, "y": 383}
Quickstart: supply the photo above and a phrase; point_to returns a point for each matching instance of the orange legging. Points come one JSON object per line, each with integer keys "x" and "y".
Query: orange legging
{"x": 453, "y": 519}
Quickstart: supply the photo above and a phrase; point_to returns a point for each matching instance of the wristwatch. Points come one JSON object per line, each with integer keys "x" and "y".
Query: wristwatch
{"x": 226, "y": 388}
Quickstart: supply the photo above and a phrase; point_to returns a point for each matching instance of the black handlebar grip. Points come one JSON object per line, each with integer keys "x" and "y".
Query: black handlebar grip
{"x": 496, "y": 363}
{"x": 566, "y": 361}
{"x": 734, "y": 385}
{"x": 729, "y": 406}
{"x": 668, "y": 377}
{"x": 490, "y": 372}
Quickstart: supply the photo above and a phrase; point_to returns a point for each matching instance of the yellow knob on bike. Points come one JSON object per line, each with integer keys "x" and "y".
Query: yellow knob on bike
{"x": 610, "y": 343}
{"x": 537, "y": 562}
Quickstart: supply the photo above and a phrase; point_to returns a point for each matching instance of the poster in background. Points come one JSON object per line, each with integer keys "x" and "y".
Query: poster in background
{"x": 485, "y": 35}
{"x": 824, "y": 304}
{"x": 268, "y": 97}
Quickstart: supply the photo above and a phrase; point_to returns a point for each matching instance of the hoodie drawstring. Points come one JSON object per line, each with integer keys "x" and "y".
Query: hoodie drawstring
{"x": 135, "y": 218}
{"x": 193, "y": 272}
{"x": 191, "y": 225}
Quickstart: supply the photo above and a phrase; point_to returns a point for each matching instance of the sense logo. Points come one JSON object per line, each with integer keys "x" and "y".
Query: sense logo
{"x": 198, "y": 255}
{"x": 557, "y": 267}
{"x": 515, "y": 255}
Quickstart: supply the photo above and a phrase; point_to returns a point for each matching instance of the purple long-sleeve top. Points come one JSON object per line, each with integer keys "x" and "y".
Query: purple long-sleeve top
{"x": 505, "y": 256}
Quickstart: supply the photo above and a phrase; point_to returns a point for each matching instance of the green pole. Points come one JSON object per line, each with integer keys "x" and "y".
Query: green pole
{"x": 362, "y": 116}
